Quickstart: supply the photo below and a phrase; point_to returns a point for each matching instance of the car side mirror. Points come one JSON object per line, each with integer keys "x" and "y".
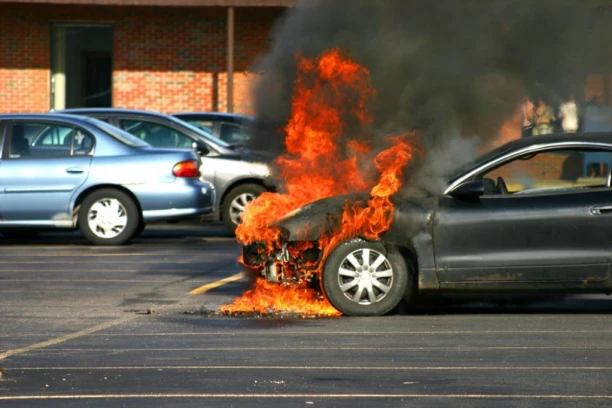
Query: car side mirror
{"x": 200, "y": 147}
{"x": 468, "y": 190}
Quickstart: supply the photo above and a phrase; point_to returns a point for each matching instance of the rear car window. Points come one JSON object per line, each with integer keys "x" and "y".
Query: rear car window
{"x": 123, "y": 136}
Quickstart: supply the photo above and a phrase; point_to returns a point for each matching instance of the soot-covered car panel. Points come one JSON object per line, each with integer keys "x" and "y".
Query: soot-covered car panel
{"x": 532, "y": 215}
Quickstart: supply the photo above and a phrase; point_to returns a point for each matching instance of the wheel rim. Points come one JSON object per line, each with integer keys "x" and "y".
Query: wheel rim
{"x": 237, "y": 206}
{"x": 365, "y": 276}
{"x": 107, "y": 218}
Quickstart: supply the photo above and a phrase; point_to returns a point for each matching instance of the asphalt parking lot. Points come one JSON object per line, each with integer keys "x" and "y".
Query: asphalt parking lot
{"x": 90, "y": 326}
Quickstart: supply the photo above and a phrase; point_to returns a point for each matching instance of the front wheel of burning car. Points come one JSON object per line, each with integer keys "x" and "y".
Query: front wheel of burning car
{"x": 362, "y": 278}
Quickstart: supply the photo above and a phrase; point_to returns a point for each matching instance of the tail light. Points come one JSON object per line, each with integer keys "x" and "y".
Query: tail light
{"x": 186, "y": 168}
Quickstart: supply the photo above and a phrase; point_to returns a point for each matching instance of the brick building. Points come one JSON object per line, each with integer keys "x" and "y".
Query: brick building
{"x": 164, "y": 55}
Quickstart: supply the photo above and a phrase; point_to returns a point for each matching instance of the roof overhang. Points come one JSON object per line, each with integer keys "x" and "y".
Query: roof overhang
{"x": 166, "y": 3}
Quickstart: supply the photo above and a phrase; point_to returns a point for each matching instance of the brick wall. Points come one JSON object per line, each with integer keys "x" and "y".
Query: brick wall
{"x": 24, "y": 62}
{"x": 165, "y": 59}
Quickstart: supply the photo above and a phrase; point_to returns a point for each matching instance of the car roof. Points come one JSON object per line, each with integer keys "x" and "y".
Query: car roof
{"x": 219, "y": 115}
{"x": 152, "y": 114}
{"x": 113, "y": 111}
{"x": 44, "y": 116}
{"x": 594, "y": 137}
{"x": 74, "y": 119}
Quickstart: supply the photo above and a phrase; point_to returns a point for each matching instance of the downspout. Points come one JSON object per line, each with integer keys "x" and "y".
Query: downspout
{"x": 230, "y": 59}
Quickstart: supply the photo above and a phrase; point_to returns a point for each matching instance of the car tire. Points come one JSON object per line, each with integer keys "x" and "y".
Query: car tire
{"x": 236, "y": 199}
{"x": 357, "y": 291}
{"x": 108, "y": 217}
{"x": 140, "y": 229}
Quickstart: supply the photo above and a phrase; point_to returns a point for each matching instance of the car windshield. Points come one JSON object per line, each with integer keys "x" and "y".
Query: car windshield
{"x": 202, "y": 132}
{"x": 121, "y": 135}
{"x": 479, "y": 161}
{"x": 197, "y": 124}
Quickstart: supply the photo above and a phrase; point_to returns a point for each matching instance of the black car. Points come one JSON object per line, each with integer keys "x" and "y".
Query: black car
{"x": 232, "y": 128}
{"x": 238, "y": 174}
{"x": 534, "y": 215}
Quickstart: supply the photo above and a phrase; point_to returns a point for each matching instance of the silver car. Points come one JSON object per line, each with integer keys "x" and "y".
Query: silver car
{"x": 67, "y": 171}
{"x": 238, "y": 174}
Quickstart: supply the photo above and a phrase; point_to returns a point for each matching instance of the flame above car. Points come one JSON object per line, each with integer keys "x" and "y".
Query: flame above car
{"x": 331, "y": 95}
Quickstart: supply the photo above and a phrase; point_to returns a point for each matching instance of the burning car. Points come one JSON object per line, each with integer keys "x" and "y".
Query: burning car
{"x": 532, "y": 215}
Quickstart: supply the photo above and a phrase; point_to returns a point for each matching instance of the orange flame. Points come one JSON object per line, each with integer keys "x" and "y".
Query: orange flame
{"x": 330, "y": 92}
{"x": 267, "y": 297}
{"x": 374, "y": 219}
{"x": 327, "y": 90}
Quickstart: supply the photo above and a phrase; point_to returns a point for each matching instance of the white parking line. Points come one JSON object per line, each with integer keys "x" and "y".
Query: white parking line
{"x": 320, "y": 368}
{"x": 332, "y": 348}
{"x": 67, "y": 337}
{"x": 362, "y": 333}
{"x": 310, "y": 396}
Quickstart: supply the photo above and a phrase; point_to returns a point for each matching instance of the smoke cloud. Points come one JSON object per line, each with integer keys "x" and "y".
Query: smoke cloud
{"x": 448, "y": 69}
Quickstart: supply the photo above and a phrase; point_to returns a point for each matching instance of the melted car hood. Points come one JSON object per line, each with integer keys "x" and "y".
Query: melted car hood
{"x": 318, "y": 218}
{"x": 322, "y": 218}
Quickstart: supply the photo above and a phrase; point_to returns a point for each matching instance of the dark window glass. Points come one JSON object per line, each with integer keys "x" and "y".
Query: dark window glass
{"x": 234, "y": 134}
{"x": 45, "y": 140}
{"x": 155, "y": 134}
{"x": 555, "y": 171}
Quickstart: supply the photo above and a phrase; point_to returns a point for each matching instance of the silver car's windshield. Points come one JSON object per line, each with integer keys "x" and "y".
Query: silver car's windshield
{"x": 119, "y": 134}
{"x": 204, "y": 133}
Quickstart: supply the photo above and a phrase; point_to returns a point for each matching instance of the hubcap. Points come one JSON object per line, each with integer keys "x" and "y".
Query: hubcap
{"x": 107, "y": 218}
{"x": 237, "y": 206}
{"x": 365, "y": 276}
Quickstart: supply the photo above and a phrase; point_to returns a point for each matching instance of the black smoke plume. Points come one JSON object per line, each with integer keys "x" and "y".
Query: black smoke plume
{"x": 449, "y": 69}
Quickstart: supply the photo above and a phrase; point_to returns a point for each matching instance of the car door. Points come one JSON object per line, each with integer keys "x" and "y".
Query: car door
{"x": 553, "y": 226}
{"x": 44, "y": 163}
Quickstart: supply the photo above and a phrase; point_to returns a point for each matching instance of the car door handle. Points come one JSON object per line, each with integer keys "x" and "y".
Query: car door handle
{"x": 601, "y": 209}
{"x": 75, "y": 170}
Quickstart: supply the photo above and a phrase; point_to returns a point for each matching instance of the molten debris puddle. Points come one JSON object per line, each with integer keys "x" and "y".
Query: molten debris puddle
{"x": 329, "y": 101}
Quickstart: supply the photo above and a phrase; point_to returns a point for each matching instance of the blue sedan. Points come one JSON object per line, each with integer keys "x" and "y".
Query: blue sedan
{"x": 67, "y": 171}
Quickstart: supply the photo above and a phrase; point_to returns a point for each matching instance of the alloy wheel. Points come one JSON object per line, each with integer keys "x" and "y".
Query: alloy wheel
{"x": 365, "y": 276}
{"x": 237, "y": 206}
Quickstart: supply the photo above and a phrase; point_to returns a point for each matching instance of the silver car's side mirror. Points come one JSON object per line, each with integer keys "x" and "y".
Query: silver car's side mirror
{"x": 201, "y": 148}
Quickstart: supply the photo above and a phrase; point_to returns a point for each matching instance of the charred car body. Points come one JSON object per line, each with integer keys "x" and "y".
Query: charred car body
{"x": 532, "y": 215}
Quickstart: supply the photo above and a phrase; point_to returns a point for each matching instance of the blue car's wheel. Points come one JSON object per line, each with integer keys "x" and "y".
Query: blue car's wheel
{"x": 108, "y": 217}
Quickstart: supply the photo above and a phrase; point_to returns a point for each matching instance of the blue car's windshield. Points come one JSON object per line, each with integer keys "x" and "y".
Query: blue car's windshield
{"x": 119, "y": 134}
